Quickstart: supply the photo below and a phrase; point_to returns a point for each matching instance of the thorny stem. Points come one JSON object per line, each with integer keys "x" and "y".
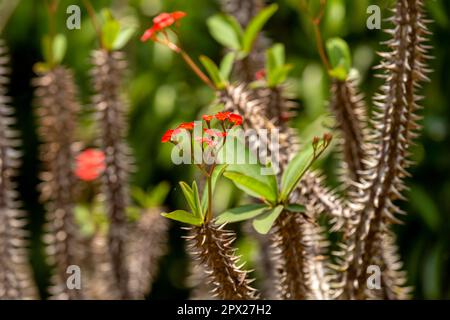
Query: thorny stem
{"x": 91, "y": 13}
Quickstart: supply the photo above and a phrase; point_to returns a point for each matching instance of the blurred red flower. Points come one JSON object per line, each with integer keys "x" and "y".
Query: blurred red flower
{"x": 160, "y": 22}
{"x": 207, "y": 117}
{"x": 187, "y": 125}
{"x": 235, "y": 118}
{"x": 260, "y": 75}
{"x": 222, "y": 116}
{"x": 168, "y": 135}
{"x": 90, "y": 164}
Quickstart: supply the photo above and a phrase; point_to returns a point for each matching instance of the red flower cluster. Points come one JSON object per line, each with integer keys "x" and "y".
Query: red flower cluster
{"x": 161, "y": 22}
{"x": 90, "y": 164}
{"x": 232, "y": 118}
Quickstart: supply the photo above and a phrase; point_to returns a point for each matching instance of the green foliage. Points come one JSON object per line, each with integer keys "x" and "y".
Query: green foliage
{"x": 242, "y": 213}
{"x": 255, "y": 26}
{"x": 196, "y": 216}
{"x": 277, "y": 70}
{"x": 162, "y": 92}
{"x": 264, "y": 222}
{"x": 249, "y": 179}
{"x": 214, "y": 73}
{"x": 295, "y": 171}
{"x": 153, "y": 198}
{"x": 114, "y": 35}
{"x": 226, "y": 66}
{"x": 227, "y": 31}
{"x": 53, "y": 50}
{"x": 185, "y": 217}
{"x": 340, "y": 58}
{"x": 252, "y": 186}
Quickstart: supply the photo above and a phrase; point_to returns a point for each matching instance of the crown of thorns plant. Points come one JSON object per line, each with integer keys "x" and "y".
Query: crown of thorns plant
{"x": 119, "y": 255}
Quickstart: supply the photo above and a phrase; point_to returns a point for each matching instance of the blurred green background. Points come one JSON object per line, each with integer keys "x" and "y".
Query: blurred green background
{"x": 163, "y": 92}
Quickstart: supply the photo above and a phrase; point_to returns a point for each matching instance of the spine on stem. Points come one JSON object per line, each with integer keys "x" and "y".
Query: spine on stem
{"x": 292, "y": 269}
{"x": 107, "y": 76}
{"x": 211, "y": 247}
{"x": 16, "y": 281}
{"x": 395, "y": 126}
{"x": 57, "y": 108}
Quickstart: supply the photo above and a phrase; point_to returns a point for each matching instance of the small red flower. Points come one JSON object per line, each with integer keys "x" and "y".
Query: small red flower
{"x": 222, "y": 116}
{"x": 207, "y": 117}
{"x": 187, "y": 126}
{"x": 161, "y": 22}
{"x": 235, "y": 118}
{"x": 215, "y": 133}
{"x": 167, "y": 136}
{"x": 150, "y": 33}
{"x": 208, "y": 141}
{"x": 260, "y": 75}
{"x": 90, "y": 164}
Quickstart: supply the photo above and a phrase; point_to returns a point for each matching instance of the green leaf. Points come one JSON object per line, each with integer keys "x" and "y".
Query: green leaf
{"x": 185, "y": 217}
{"x": 241, "y": 213}
{"x": 198, "y": 204}
{"x": 340, "y": 58}
{"x": 217, "y": 173}
{"x": 153, "y": 198}
{"x": 123, "y": 37}
{"x": 255, "y": 26}
{"x": 159, "y": 193}
{"x": 275, "y": 56}
{"x": 84, "y": 220}
{"x": 293, "y": 207}
{"x": 245, "y": 162}
{"x": 213, "y": 72}
{"x": 227, "y": 65}
{"x": 264, "y": 222}
{"x": 110, "y": 31}
{"x": 189, "y": 195}
{"x": 279, "y": 75}
{"x": 295, "y": 170}
{"x": 225, "y": 30}
{"x": 252, "y": 186}
{"x": 59, "y": 48}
